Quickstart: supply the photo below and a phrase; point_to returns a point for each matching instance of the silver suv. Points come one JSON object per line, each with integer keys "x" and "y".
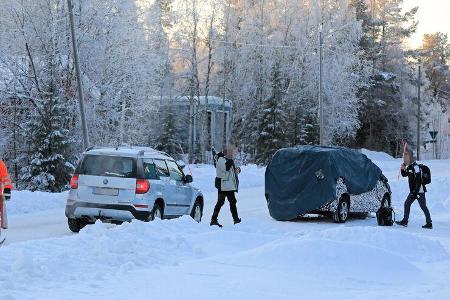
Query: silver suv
{"x": 125, "y": 183}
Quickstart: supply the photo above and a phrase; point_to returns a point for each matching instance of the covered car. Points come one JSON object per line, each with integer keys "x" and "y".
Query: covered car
{"x": 315, "y": 179}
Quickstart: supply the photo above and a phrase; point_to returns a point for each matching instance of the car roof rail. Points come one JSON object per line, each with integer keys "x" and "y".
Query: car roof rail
{"x": 151, "y": 150}
{"x": 92, "y": 148}
{"x": 123, "y": 145}
{"x": 163, "y": 153}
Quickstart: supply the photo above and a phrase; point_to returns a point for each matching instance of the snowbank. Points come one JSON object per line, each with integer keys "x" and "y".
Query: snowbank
{"x": 327, "y": 260}
{"x": 98, "y": 251}
{"x": 403, "y": 244}
{"x": 26, "y": 202}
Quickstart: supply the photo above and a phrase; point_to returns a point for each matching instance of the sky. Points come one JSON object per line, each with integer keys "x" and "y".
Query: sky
{"x": 433, "y": 16}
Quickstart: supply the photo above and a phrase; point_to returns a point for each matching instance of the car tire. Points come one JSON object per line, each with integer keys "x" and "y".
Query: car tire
{"x": 157, "y": 212}
{"x": 197, "y": 211}
{"x": 75, "y": 225}
{"x": 342, "y": 211}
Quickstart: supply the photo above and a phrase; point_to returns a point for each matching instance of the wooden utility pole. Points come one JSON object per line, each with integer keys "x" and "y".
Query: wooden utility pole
{"x": 77, "y": 72}
{"x": 321, "y": 132}
{"x": 418, "y": 110}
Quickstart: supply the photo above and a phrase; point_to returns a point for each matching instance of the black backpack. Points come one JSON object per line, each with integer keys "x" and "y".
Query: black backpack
{"x": 385, "y": 216}
{"x": 426, "y": 174}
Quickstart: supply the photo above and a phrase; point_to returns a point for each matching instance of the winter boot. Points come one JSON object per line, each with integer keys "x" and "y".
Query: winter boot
{"x": 402, "y": 223}
{"x": 215, "y": 222}
{"x": 237, "y": 221}
{"x": 428, "y": 226}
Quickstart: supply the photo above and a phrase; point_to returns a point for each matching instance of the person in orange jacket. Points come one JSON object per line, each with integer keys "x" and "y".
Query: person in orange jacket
{"x": 5, "y": 193}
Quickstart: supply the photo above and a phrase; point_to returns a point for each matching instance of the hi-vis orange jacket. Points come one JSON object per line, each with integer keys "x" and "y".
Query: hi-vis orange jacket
{"x": 5, "y": 179}
{"x": 5, "y": 183}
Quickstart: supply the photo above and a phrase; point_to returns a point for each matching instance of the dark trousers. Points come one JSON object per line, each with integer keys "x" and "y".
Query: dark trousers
{"x": 221, "y": 201}
{"x": 423, "y": 205}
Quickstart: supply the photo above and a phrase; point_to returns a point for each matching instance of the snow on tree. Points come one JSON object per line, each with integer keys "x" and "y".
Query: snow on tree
{"x": 169, "y": 139}
{"x": 262, "y": 56}
{"x": 43, "y": 75}
{"x": 436, "y": 61}
{"x": 258, "y": 33}
{"x": 121, "y": 58}
{"x": 386, "y": 108}
{"x": 50, "y": 164}
{"x": 272, "y": 121}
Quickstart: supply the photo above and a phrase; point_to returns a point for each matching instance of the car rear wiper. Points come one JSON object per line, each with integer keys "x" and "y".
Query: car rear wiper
{"x": 114, "y": 174}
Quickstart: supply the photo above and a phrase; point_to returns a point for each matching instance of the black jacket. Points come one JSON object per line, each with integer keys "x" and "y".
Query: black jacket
{"x": 414, "y": 175}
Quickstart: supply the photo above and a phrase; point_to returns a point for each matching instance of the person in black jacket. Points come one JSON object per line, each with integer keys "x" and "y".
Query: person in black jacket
{"x": 417, "y": 189}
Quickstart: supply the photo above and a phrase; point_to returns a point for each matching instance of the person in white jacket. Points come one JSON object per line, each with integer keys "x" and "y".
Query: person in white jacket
{"x": 227, "y": 183}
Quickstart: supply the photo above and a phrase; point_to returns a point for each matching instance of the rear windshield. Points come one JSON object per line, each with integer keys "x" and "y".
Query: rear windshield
{"x": 110, "y": 166}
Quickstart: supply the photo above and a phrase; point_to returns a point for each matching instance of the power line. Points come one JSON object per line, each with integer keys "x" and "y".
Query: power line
{"x": 255, "y": 45}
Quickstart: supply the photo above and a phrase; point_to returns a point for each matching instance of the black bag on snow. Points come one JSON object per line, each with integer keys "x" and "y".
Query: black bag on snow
{"x": 385, "y": 216}
{"x": 426, "y": 174}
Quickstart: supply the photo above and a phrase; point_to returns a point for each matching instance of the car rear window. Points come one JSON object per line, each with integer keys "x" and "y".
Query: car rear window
{"x": 111, "y": 166}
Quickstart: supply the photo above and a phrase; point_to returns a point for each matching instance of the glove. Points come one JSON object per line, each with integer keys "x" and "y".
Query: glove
{"x": 7, "y": 194}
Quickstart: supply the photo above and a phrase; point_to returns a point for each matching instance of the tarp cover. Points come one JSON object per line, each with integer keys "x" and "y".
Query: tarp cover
{"x": 301, "y": 179}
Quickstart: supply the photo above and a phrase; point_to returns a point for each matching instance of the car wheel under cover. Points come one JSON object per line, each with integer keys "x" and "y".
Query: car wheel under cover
{"x": 342, "y": 211}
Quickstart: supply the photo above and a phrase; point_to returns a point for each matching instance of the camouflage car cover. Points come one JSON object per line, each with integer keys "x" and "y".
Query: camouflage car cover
{"x": 301, "y": 179}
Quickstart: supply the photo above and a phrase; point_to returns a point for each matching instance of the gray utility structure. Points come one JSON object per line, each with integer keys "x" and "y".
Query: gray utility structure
{"x": 189, "y": 115}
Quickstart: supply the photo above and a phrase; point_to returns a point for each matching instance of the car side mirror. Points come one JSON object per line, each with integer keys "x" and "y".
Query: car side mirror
{"x": 181, "y": 164}
{"x": 188, "y": 178}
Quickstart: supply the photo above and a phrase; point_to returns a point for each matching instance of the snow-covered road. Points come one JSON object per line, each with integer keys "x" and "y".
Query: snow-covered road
{"x": 40, "y": 225}
{"x": 257, "y": 259}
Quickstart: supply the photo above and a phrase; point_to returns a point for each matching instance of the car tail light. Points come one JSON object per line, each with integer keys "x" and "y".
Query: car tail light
{"x": 74, "y": 182}
{"x": 142, "y": 186}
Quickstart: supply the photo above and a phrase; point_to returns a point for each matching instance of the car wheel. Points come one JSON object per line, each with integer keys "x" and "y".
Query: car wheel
{"x": 157, "y": 212}
{"x": 75, "y": 225}
{"x": 197, "y": 211}
{"x": 342, "y": 211}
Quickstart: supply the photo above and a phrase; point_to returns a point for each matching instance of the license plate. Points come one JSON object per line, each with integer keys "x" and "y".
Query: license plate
{"x": 106, "y": 191}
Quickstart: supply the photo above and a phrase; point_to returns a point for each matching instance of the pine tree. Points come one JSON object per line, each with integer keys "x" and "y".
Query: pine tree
{"x": 384, "y": 101}
{"x": 169, "y": 140}
{"x": 272, "y": 118}
{"x": 50, "y": 162}
{"x": 298, "y": 128}
{"x": 436, "y": 61}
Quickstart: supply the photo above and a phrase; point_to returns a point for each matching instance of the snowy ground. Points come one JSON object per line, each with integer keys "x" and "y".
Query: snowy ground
{"x": 257, "y": 259}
